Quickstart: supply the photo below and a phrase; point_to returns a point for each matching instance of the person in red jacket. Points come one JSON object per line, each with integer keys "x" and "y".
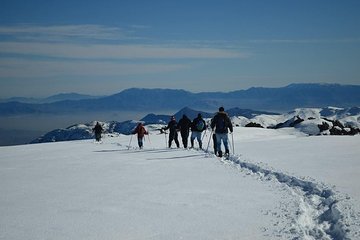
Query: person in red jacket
{"x": 141, "y": 132}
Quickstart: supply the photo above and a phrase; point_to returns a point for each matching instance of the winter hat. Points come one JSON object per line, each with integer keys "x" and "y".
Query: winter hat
{"x": 221, "y": 109}
{"x": 172, "y": 117}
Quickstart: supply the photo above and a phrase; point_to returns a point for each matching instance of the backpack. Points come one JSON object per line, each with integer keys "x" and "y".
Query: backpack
{"x": 221, "y": 124}
{"x": 141, "y": 131}
{"x": 200, "y": 125}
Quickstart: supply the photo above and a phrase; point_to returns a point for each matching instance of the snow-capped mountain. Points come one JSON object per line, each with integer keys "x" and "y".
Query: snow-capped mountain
{"x": 342, "y": 121}
{"x": 85, "y": 131}
{"x": 310, "y": 121}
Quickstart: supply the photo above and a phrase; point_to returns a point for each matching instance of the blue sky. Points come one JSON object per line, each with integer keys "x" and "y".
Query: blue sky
{"x": 102, "y": 47}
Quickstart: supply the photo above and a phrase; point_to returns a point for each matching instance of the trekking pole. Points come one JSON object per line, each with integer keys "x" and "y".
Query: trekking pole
{"x": 165, "y": 140}
{"x": 207, "y": 148}
{"x": 203, "y": 136}
{"x": 149, "y": 138}
{"x": 230, "y": 145}
{"x": 130, "y": 142}
{"x": 233, "y": 146}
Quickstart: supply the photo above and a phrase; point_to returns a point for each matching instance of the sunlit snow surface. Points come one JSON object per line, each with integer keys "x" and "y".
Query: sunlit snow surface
{"x": 278, "y": 184}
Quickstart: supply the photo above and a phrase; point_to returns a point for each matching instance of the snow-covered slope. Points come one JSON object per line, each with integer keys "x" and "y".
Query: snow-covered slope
{"x": 278, "y": 184}
{"x": 313, "y": 121}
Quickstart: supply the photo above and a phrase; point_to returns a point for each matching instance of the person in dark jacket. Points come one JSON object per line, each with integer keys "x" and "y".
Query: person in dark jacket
{"x": 197, "y": 127}
{"x": 184, "y": 127}
{"x": 98, "y": 130}
{"x": 222, "y": 124}
{"x": 172, "y": 126}
{"x": 141, "y": 132}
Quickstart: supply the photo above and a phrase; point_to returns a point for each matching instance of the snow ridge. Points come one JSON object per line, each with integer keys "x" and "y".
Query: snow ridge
{"x": 319, "y": 216}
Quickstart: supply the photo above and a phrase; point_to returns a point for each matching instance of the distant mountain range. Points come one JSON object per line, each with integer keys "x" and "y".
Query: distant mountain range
{"x": 309, "y": 121}
{"x": 51, "y": 99}
{"x": 135, "y": 99}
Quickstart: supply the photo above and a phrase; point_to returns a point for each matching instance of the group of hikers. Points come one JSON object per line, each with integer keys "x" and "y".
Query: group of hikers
{"x": 220, "y": 125}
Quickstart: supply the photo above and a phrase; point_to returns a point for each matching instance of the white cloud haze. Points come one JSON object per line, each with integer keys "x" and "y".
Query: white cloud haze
{"x": 46, "y": 51}
{"x": 63, "y": 32}
{"x": 13, "y": 68}
{"x": 112, "y": 51}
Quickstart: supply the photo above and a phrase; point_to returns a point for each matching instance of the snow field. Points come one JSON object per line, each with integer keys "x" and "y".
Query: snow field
{"x": 275, "y": 187}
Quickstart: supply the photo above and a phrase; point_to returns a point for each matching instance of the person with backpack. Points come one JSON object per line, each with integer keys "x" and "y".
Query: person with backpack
{"x": 197, "y": 127}
{"x": 222, "y": 124}
{"x": 141, "y": 132}
{"x": 173, "y": 136}
{"x": 98, "y": 130}
{"x": 184, "y": 127}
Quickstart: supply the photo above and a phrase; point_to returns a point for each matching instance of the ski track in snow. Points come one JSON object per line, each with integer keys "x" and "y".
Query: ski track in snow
{"x": 318, "y": 216}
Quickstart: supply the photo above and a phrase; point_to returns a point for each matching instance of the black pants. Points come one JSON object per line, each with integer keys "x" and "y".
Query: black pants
{"x": 140, "y": 142}
{"x": 185, "y": 137}
{"x": 214, "y": 143}
{"x": 173, "y": 136}
{"x": 98, "y": 136}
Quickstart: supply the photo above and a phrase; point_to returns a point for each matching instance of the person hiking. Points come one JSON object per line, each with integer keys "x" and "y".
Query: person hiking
{"x": 222, "y": 124}
{"x": 184, "y": 127}
{"x": 197, "y": 127}
{"x": 172, "y": 126}
{"x": 141, "y": 132}
{"x": 98, "y": 130}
